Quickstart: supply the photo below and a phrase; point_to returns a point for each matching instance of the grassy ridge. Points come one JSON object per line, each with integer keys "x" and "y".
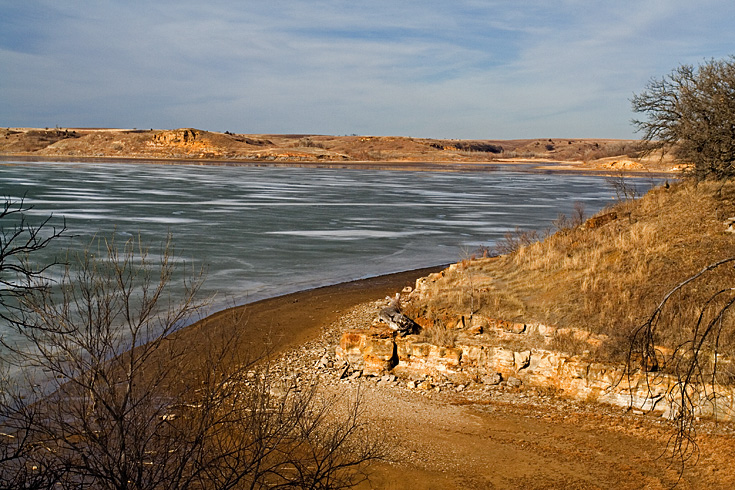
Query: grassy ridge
{"x": 606, "y": 279}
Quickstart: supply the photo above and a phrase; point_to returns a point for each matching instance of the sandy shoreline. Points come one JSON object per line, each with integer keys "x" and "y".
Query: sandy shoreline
{"x": 283, "y": 322}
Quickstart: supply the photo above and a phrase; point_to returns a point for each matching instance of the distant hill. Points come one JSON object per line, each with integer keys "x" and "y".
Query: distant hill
{"x": 594, "y": 154}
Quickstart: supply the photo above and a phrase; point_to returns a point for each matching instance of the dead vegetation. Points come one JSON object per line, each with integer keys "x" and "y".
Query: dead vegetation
{"x": 604, "y": 275}
{"x": 439, "y": 334}
{"x": 100, "y": 393}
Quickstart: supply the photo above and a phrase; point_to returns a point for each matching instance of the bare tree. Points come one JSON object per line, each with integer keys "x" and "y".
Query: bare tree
{"x": 20, "y": 241}
{"x": 122, "y": 403}
{"x": 691, "y": 112}
{"x": 90, "y": 341}
{"x": 696, "y": 363}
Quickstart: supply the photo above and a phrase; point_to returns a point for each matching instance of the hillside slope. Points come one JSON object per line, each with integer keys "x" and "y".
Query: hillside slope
{"x": 605, "y": 276}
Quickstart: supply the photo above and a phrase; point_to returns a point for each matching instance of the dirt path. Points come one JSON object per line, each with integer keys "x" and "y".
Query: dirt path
{"x": 438, "y": 444}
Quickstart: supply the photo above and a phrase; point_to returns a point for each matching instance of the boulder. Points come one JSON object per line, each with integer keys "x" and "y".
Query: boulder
{"x": 522, "y": 360}
{"x": 395, "y": 319}
{"x": 371, "y": 350}
{"x": 492, "y": 379}
{"x": 730, "y": 225}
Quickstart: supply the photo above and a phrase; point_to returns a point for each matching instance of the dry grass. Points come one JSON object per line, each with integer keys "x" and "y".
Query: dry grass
{"x": 439, "y": 334}
{"x": 607, "y": 279}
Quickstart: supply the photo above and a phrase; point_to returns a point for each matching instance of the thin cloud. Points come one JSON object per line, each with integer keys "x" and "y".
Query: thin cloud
{"x": 469, "y": 69}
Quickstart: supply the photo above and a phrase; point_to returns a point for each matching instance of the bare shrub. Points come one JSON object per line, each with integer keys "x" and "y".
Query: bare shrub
{"x": 477, "y": 146}
{"x": 115, "y": 401}
{"x": 564, "y": 222}
{"x": 513, "y": 241}
{"x": 308, "y": 143}
{"x": 624, "y": 189}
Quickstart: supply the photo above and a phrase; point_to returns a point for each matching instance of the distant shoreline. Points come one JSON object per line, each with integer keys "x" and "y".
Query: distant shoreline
{"x": 201, "y": 147}
{"x": 518, "y": 165}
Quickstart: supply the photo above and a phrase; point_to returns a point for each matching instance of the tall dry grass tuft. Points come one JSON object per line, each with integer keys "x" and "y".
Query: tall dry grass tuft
{"x": 439, "y": 334}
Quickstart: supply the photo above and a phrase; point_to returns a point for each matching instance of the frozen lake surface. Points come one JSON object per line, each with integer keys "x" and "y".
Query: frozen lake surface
{"x": 265, "y": 231}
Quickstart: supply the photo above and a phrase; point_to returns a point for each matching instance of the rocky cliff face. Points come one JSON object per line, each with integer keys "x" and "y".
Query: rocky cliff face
{"x": 188, "y": 143}
{"x": 487, "y": 351}
{"x": 178, "y": 137}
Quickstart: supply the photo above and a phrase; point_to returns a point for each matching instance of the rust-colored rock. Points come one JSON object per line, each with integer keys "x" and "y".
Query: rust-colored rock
{"x": 378, "y": 352}
{"x": 598, "y": 221}
{"x": 372, "y": 350}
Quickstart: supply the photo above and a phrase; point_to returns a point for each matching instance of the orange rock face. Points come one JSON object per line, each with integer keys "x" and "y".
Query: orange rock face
{"x": 372, "y": 350}
{"x": 378, "y": 351}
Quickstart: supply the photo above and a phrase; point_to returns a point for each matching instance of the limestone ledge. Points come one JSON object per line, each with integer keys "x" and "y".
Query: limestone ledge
{"x": 378, "y": 351}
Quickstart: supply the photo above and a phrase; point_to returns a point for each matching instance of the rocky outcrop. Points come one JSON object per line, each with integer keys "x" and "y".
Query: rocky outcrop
{"x": 176, "y": 137}
{"x": 378, "y": 351}
{"x": 188, "y": 143}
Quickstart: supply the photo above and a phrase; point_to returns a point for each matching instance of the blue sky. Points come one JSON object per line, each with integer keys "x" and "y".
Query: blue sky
{"x": 441, "y": 69}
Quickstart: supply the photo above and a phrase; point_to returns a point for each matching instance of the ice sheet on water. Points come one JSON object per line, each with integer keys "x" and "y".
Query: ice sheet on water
{"x": 353, "y": 234}
{"x": 296, "y": 227}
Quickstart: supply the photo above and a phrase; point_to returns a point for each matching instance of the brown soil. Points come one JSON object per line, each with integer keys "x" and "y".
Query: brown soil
{"x": 534, "y": 442}
{"x": 327, "y": 151}
{"x": 478, "y": 438}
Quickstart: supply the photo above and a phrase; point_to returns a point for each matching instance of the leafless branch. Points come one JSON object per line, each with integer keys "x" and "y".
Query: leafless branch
{"x": 694, "y": 362}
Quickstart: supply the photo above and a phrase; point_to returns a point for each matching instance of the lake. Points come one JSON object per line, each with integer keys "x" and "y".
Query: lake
{"x": 266, "y": 231}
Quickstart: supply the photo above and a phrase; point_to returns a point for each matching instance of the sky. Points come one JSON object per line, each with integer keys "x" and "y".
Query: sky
{"x": 425, "y": 68}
